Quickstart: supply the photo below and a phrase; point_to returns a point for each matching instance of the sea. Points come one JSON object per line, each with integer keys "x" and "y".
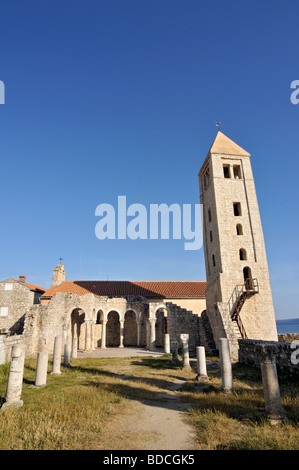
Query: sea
{"x": 288, "y": 326}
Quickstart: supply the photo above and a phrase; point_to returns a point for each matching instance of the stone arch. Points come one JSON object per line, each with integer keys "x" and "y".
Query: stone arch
{"x": 161, "y": 325}
{"x": 98, "y": 328}
{"x": 130, "y": 328}
{"x": 248, "y": 277}
{"x": 78, "y": 326}
{"x": 203, "y": 313}
{"x": 113, "y": 329}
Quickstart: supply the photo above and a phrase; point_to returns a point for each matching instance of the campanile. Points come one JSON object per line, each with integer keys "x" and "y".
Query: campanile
{"x": 238, "y": 295}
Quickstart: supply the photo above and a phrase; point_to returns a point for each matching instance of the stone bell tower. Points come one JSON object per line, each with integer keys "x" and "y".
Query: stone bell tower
{"x": 58, "y": 275}
{"x": 238, "y": 294}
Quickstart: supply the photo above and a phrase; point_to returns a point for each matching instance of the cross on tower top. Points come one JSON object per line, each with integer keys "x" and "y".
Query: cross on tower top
{"x": 218, "y": 124}
{"x": 60, "y": 260}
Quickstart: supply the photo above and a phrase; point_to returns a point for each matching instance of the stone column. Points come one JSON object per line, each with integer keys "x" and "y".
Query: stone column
{"x": 273, "y": 407}
{"x": 75, "y": 347}
{"x": 92, "y": 336}
{"x": 103, "y": 341}
{"x": 225, "y": 365}
{"x": 41, "y": 369}
{"x": 201, "y": 364}
{"x": 186, "y": 361}
{"x": 121, "y": 339}
{"x": 152, "y": 334}
{"x": 147, "y": 335}
{"x": 174, "y": 350}
{"x": 57, "y": 355}
{"x": 67, "y": 355}
{"x": 138, "y": 333}
{"x": 167, "y": 343}
{"x": 15, "y": 378}
{"x": 87, "y": 335}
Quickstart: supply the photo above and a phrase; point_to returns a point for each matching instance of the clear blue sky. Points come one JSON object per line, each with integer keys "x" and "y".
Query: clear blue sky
{"x": 120, "y": 97}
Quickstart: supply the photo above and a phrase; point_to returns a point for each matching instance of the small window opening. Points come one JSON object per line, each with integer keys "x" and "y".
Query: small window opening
{"x": 211, "y": 236}
{"x": 243, "y": 254}
{"x": 226, "y": 171}
{"x": 213, "y": 259}
{"x": 248, "y": 277}
{"x": 237, "y": 172}
{"x": 209, "y": 215}
{"x": 206, "y": 179}
{"x": 239, "y": 229}
{"x": 237, "y": 209}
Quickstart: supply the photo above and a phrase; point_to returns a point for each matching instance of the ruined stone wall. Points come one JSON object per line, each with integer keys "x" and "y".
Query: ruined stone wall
{"x": 44, "y": 322}
{"x": 182, "y": 321}
{"x": 287, "y": 355}
{"x": 14, "y": 303}
{"x": 288, "y": 337}
{"x": 6, "y": 344}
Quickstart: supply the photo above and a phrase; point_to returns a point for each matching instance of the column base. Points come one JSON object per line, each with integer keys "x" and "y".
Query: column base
{"x": 15, "y": 404}
{"x": 202, "y": 378}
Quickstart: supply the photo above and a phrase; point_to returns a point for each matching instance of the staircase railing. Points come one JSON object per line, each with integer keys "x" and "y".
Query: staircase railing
{"x": 237, "y": 299}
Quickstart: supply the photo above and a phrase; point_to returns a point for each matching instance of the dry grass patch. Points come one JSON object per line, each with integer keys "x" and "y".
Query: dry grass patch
{"x": 81, "y": 408}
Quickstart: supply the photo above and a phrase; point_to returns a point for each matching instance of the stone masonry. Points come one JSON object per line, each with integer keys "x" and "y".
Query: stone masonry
{"x": 234, "y": 247}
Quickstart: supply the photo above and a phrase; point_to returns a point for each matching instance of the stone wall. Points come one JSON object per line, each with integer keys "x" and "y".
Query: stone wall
{"x": 182, "y": 321}
{"x": 6, "y": 344}
{"x": 16, "y": 299}
{"x": 287, "y": 355}
{"x": 288, "y": 337}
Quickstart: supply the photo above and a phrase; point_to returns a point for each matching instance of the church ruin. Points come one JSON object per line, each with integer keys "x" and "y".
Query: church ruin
{"x": 235, "y": 302}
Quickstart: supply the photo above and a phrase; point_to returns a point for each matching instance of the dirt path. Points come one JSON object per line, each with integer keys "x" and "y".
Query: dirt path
{"x": 158, "y": 424}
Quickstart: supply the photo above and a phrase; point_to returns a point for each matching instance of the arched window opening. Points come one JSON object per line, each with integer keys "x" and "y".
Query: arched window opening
{"x": 239, "y": 229}
{"x": 248, "y": 277}
{"x": 242, "y": 254}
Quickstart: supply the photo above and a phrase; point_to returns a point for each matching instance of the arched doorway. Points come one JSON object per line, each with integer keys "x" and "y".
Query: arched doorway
{"x": 78, "y": 326}
{"x": 130, "y": 329}
{"x": 99, "y": 328}
{"x": 113, "y": 330}
{"x": 248, "y": 278}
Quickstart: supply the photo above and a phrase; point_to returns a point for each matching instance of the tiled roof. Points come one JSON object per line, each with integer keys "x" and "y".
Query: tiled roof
{"x": 153, "y": 289}
{"x": 222, "y": 144}
{"x": 31, "y": 286}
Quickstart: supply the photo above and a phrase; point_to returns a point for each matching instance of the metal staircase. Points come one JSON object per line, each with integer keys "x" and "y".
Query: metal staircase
{"x": 237, "y": 300}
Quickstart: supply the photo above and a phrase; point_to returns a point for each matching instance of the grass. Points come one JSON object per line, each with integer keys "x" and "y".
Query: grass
{"x": 75, "y": 410}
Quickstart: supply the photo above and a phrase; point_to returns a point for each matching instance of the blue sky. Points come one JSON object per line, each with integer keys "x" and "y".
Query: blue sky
{"x": 120, "y": 97}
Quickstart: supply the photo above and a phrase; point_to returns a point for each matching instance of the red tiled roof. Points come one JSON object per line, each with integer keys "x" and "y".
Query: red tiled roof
{"x": 31, "y": 286}
{"x": 153, "y": 289}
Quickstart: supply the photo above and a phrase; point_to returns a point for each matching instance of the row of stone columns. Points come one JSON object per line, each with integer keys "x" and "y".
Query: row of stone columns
{"x": 16, "y": 370}
{"x": 89, "y": 335}
{"x": 150, "y": 334}
{"x": 266, "y": 355}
